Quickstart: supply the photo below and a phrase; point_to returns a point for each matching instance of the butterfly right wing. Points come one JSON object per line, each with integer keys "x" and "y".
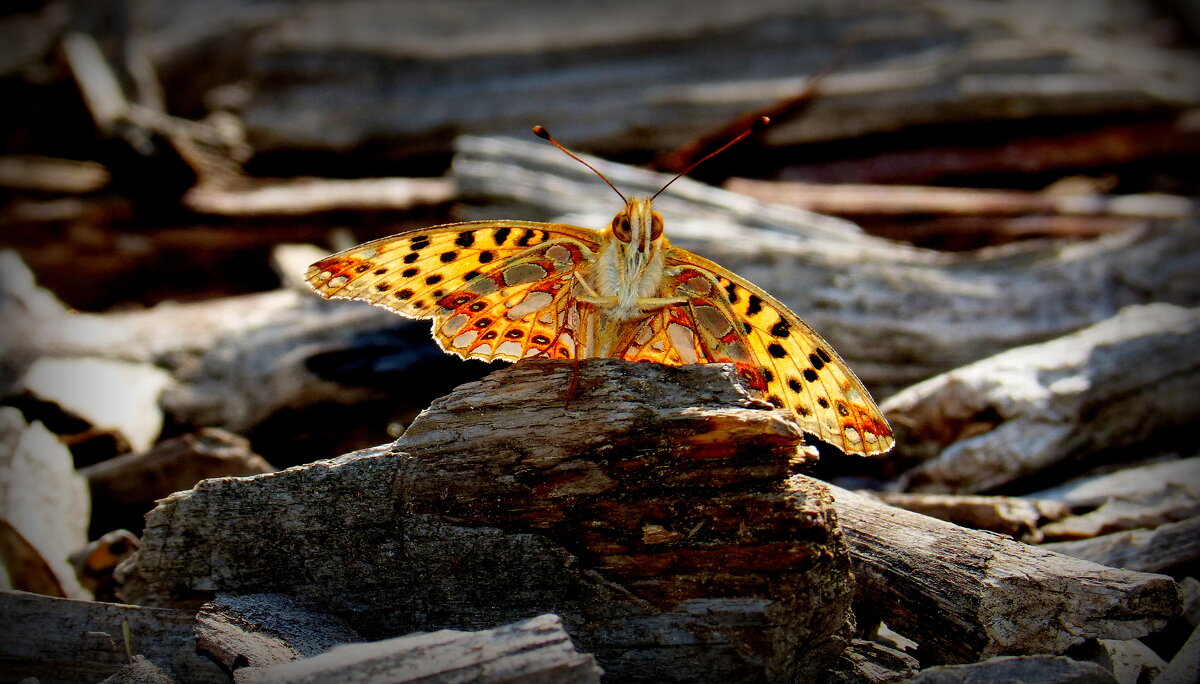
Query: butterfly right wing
{"x": 726, "y": 318}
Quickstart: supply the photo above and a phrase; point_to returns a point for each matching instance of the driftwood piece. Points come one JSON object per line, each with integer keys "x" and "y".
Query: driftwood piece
{"x": 260, "y": 630}
{"x": 658, "y": 513}
{"x": 647, "y": 76}
{"x": 965, "y": 595}
{"x": 897, "y": 313}
{"x": 1130, "y": 661}
{"x": 62, "y": 640}
{"x": 1110, "y": 386}
{"x": 527, "y": 652}
{"x": 125, "y": 488}
{"x": 109, "y": 396}
{"x": 1157, "y": 550}
{"x": 1118, "y": 515}
{"x": 45, "y": 174}
{"x": 1043, "y": 669}
{"x": 1140, "y": 483}
{"x": 1009, "y": 515}
{"x": 309, "y": 196}
{"x": 44, "y": 505}
{"x": 849, "y": 198}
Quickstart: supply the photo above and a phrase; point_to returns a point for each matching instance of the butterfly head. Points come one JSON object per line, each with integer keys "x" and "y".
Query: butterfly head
{"x": 638, "y": 226}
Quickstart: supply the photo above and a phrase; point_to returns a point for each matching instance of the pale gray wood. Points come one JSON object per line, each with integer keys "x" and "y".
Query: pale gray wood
{"x": 659, "y": 513}
{"x": 532, "y": 651}
{"x": 1144, "y": 482}
{"x": 260, "y": 630}
{"x": 1033, "y": 669}
{"x": 42, "y": 500}
{"x": 965, "y": 595}
{"x": 68, "y": 641}
{"x": 1107, "y": 387}
{"x": 1016, "y": 517}
{"x": 1148, "y": 550}
{"x": 1130, "y": 661}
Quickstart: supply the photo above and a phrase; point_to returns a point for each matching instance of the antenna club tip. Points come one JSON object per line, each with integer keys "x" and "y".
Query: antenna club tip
{"x": 763, "y": 121}
{"x": 541, "y": 132}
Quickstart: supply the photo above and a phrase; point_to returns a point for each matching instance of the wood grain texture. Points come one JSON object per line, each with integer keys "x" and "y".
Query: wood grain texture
{"x": 68, "y": 641}
{"x": 526, "y": 652}
{"x": 965, "y": 595}
{"x": 659, "y": 513}
{"x": 1110, "y": 386}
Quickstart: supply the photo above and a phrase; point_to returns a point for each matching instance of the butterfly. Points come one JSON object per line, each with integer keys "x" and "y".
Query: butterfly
{"x": 515, "y": 290}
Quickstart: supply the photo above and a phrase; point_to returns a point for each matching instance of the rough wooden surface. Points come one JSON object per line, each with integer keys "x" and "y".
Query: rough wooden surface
{"x": 1160, "y": 549}
{"x": 68, "y": 641}
{"x": 1009, "y": 515}
{"x": 260, "y": 630}
{"x": 1110, "y": 386}
{"x": 965, "y": 595}
{"x": 658, "y": 513}
{"x": 527, "y": 652}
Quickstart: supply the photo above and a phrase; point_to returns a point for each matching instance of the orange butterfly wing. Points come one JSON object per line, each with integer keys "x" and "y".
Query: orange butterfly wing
{"x": 495, "y": 289}
{"x": 729, "y": 319}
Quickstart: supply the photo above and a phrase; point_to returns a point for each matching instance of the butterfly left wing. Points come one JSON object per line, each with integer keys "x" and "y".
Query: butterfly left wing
{"x": 728, "y": 319}
{"x": 495, "y": 289}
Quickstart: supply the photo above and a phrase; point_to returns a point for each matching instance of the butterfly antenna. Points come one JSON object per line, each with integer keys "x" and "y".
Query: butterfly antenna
{"x": 541, "y": 132}
{"x": 758, "y": 125}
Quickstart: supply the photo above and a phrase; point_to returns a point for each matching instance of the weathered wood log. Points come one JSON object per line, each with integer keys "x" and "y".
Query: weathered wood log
{"x": 897, "y": 313}
{"x": 1043, "y": 669}
{"x": 68, "y": 641}
{"x": 260, "y": 630}
{"x": 1158, "y": 550}
{"x": 1112, "y": 385}
{"x": 44, "y": 505}
{"x": 1009, "y": 515}
{"x": 526, "y": 652}
{"x": 658, "y": 512}
{"x": 965, "y": 595}
{"x": 607, "y": 78}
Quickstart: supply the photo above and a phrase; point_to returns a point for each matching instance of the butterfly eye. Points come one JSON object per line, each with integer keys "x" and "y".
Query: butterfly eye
{"x": 620, "y": 227}
{"x": 656, "y": 225}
